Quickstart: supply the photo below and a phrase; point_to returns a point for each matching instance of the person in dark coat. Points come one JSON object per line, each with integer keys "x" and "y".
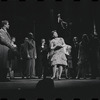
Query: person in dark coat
{"x": 5, "y": 45}
{"x": 94, "y": 53}
{"x": 43, "y": 66}
{"x": 24, "y": 57}
{"x": 12, "y": 56}
{"x": 83, "y": 57}
{"x": 75, "y": 48}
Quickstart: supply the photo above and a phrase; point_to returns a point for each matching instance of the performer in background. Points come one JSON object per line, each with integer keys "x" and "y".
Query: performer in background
{"x": 94, "y": 54}
{"x": 75, "y": 48}
{"x": 57, "y": 55}
{"x": 83, "y": 57}
{"x": 5, "y": 45}
{"x": 43, "y": 68}
{"x": 33, "y": 55}
{"x": 24, "y": 57}
{"x": 12, "y": 56}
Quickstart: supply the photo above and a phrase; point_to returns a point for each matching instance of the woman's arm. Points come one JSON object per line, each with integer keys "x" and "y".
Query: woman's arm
{"x": 52, "y": 46}
{"x": 63, "y": 42}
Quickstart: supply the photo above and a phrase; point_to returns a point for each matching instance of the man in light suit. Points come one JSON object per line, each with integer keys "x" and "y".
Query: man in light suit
{"x": 33, "y": 55}
{"x": 5, "y": 45}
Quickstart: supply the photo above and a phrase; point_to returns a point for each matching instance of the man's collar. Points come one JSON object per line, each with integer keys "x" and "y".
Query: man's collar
{"x": 3, "y": 29}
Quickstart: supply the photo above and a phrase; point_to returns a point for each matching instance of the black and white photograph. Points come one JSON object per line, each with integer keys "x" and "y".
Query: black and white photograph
{"x": 49, "y": 49}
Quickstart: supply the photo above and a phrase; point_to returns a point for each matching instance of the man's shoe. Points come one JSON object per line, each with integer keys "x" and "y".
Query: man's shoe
{"x": 77, "y": 77}
{"x": 33, "y": 77}
{"x": 28, "y": 77}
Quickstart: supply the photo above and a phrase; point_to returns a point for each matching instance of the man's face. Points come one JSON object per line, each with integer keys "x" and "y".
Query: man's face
{"x": 43, "y": 40}
{"x": 7, "y": 25}
{"x": 58, "y": 15}
{"x": 26, "y": 39}
{"x": 75, "y": 39}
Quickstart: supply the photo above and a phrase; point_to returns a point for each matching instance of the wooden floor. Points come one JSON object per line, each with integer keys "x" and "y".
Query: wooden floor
{"x": 70, "y": 89}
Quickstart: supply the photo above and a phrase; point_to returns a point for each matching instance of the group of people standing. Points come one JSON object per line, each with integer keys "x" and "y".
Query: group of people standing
{"x": 79, "y": 60}
{"x": 86, "y": 56}
{"x": 9, "y": 54}
{"x": 27, "y": 56}
{"x": 76, "y": 60}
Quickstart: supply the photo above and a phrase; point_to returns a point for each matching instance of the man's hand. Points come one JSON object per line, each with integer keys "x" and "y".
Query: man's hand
{"x": 35, "y": 57}
{"x": 28, "y": 56}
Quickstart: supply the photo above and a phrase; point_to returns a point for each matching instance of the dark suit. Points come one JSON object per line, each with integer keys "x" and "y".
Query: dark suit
{"x": 5, "y": 44}
{"x": 93, "y": 54}
{"x": 24, "y": 58}
{"x": 43, "y": 62}
{"x": 75, "y": 48}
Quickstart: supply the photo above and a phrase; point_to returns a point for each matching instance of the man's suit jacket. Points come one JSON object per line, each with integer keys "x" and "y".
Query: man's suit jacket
{"x": 24, "y": 51}
{"x": 32, "y": 48}
{"x": 5, "y": 44}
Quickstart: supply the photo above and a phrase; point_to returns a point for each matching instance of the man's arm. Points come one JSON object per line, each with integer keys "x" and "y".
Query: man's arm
{"x": 31, "y": 43}
{"x": 35, "y": 50}
{"x": 4, "y": 42}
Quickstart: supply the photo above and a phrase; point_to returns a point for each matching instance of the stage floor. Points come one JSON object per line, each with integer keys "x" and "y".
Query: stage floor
{"x": 25, "y": 89}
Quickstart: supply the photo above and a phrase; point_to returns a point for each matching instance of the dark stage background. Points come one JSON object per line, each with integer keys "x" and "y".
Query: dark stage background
{"x": 41, "y": 18}
{"x": 23, "y": 15}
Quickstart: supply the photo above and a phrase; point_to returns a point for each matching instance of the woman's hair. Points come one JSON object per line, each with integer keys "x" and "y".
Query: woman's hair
{"x": 53, "y": 31}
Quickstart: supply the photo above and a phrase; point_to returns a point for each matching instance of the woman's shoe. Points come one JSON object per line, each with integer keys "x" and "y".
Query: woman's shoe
{"x": 59, "y": 78}
{"x": 53, "y": 77}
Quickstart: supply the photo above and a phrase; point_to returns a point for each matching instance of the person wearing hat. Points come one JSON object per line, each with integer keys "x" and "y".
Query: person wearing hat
{"x": 33, "y": 55}
{"x": 5, "y": 45}
{"x": 24, "y": 57}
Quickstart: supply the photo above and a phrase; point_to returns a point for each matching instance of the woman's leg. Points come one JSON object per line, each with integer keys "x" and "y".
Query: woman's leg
{"x": 60, "y": 71}
{"x": 57, "y": 72}
{"x": 54, "y": 71}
